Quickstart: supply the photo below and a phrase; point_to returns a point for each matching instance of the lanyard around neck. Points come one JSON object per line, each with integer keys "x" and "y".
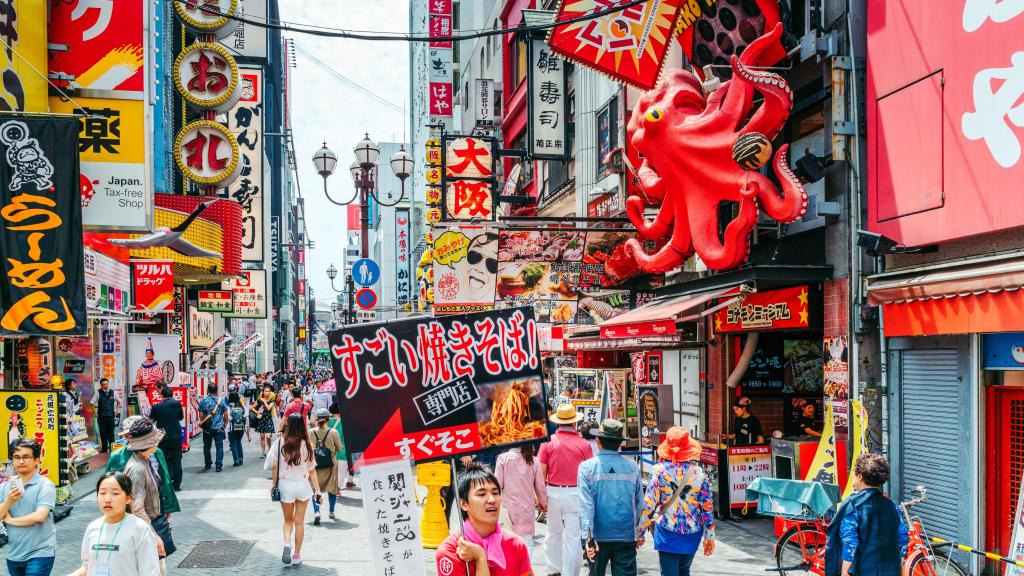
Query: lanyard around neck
{"x": 99, "y": 539}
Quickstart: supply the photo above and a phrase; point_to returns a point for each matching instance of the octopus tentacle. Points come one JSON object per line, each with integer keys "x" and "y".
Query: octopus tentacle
{"x": 735, "y": 98}
{"x": 778, "y": 99}
{"x": 792, "y": 204}
{"x": 655, "y": 230}
{"x": 672, "y": 255}
{"x": 735, "y": 247}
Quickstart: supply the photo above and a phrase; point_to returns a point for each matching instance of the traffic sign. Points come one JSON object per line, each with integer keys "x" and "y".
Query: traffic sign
{"x": 366, "y": 298}
{"x": 365, "y": 272}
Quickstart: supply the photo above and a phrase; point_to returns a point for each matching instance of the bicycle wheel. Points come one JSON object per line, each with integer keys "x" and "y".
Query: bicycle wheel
{"x": 800, "y": 551}
{"x": 939, "y": 565}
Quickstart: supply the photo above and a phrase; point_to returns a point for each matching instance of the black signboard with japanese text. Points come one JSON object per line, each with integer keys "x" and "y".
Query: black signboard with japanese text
{"x": 42, "y": 289}
{"x": 435, "y": 388}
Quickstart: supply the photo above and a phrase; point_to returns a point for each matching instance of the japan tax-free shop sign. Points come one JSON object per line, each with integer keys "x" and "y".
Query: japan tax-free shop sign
{"x": 434, "y": 388}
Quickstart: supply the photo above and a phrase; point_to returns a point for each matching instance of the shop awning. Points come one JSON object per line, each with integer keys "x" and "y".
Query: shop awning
{"x": 659, "y": 318}
{"x": 969, "y": 296}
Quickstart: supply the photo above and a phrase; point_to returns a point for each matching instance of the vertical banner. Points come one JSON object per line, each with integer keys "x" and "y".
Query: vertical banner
{"x": 439, "y": 24}
{"x": 177, "y": 320}
{"x": 24, "y": 33}
{"x": 154, "y": 285}
{"x": 484, "y": 104}
{"x": 548, "y": 102}
{"x": 42, "y": 289}
{"x": 275, "y": 242}
{"x": 434, "y": 388}
{"x": 34, "y": 414}
{"x": 403, "y": 277}
{"x": 837, "y": 382}
{"x": 245, "y": 121}
{"x": 860, "y": 443}
{"x": 823, "y": 467}
{"x": 392, "y": 519}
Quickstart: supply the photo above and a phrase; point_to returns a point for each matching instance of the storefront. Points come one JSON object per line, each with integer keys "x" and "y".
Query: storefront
{"x": 953, "y": 334}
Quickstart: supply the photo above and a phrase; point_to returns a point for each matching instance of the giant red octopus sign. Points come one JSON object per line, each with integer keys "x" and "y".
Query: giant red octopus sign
{"x": 697, "y": 153}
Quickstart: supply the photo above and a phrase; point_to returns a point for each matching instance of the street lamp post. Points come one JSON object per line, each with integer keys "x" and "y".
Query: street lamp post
{"x": 332, "y": 273}
{"x": 363, "y": 171}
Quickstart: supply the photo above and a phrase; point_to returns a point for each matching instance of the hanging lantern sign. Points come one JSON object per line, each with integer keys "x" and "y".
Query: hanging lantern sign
{"x": 208, "y": 16}
{"x": 207, "y": 154}
{"x": 433, "y": 215}
{"x": 434, "y": 175}
{"x": 207, "y": 77}
{"x": 433, "y": 195}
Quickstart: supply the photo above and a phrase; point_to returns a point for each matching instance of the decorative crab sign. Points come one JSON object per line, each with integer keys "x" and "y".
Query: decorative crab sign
{"x": 697, "y": 153}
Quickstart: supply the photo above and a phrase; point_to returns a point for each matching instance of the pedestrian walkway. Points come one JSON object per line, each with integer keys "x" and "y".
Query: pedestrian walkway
{"x": 235, "y": 505}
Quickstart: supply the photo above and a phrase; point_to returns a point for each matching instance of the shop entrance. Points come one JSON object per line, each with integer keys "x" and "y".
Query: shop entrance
{"x": 1005, "y": 462}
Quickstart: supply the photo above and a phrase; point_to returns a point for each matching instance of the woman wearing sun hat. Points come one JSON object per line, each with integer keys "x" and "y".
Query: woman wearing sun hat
{"x": 678, "y": 503}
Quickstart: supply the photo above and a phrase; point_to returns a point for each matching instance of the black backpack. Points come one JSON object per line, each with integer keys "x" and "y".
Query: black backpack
{"x": 237, "y": 415}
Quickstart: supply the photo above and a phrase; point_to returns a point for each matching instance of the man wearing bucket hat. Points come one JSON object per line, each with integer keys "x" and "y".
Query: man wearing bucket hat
{"x": 560, "y": 461}
{"x": 678, "y": 503}
{"x": 610, "y": 492}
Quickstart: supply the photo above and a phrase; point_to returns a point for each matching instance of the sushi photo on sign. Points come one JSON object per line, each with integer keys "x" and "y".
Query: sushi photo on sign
{"x": 435, "y": 388}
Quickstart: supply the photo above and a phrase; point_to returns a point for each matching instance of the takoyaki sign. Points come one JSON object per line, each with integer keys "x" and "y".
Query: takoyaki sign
{"x": 434, "y": 388}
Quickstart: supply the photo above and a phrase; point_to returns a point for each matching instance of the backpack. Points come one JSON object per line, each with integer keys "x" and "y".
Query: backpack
{"x": 323, "y": 456}
{"x": 237, "y": 415}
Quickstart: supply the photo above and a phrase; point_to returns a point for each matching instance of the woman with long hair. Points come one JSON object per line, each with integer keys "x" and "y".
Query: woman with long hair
{"x": 291, "y": 459}
{"x": 263, "y": 407}
{"x": 117, "y": 542}
{"x": 522, "y": 489}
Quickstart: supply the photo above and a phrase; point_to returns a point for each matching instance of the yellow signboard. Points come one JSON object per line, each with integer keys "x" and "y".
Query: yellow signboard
{"x": 823, "y": 467}
{"x": 33, "y": 414}
{"x": 24, "y": 31}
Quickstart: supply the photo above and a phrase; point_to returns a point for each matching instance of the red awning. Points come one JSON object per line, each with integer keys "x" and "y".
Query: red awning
{"x": 659, "y": 318}
{"x": 953, "y": 298}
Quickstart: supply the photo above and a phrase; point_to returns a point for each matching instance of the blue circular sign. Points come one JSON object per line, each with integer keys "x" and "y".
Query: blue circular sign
{"x": 365, "y": 272}
{"x": 366, "y": 298}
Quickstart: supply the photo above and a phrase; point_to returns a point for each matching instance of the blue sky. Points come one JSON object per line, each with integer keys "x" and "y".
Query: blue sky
{"x": 324, "y": 108}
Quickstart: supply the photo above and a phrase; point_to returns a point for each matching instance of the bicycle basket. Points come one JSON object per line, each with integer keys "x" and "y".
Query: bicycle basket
{"x": 793, "y": 499}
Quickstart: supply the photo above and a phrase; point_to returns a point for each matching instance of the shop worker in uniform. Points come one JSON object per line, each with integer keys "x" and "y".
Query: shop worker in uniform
{"x": 611, "y": 498}
{"x": 560, "y": 461}
{"x": 27, "y": 501}
{"x": 867, "y": 535}
{"x": 746, "y": 428}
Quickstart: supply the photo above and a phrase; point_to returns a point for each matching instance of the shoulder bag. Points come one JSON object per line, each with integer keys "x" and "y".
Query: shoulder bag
{"x": 322, "y": 455}
{"x": 207, "y": 424}
{"x": 275, "y": 492}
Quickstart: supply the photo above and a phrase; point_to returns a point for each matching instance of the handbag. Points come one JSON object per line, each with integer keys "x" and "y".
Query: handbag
{"x": 275, "y": 492}
{"x": 207, "y": 424}
{"x": 322, "y": 455}
{"x": 162, "y": 527}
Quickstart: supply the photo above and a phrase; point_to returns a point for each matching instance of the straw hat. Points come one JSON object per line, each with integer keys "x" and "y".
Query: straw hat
{"x": 678, "y": 446}
{"x": 565, "y": 414}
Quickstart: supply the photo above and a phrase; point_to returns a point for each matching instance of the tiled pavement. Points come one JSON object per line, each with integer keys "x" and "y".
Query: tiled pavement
{"x": 235, "y": 505}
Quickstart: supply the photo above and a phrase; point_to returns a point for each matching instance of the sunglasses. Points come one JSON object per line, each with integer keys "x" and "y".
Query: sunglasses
{"x": 474, "y": 258}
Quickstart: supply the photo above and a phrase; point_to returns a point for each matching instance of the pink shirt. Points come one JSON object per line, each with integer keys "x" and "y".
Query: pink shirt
{"x": 563, "y": 456}
{"x": 522, "y": 488}
{"x": 286, "y": 470}
{"x": 517, "y": 557}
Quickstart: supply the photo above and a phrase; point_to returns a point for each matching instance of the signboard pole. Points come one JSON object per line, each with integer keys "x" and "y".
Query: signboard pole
{"x": 458, "y": 509}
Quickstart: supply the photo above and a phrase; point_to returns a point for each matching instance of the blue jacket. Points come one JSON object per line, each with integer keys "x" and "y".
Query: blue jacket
{"x": 610, "y": 493}
{"x": 878, "y": 552}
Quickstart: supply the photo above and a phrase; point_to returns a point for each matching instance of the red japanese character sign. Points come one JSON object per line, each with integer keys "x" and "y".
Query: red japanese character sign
{"x": 433, "y": 388}
{"x": 468, "y": 199}
{"x": 468, "y": 158}
{"x": 628, "y": 44}
{"x": 207, "y": 77}
{"x": 468, "y": 178}
{"x": 440, "y": 99}
{"x": 208, "y": 16}
{"x": 154, "y": 285}
{"x": 207, "y": 153}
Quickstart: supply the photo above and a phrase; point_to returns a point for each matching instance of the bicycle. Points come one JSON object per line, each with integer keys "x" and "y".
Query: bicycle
{"x": 801, "y": 549}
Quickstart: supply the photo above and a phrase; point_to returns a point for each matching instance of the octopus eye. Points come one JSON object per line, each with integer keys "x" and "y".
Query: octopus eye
{"x": 654, "y": 114}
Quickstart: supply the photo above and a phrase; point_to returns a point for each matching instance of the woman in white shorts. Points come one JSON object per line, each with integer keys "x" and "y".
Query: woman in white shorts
{"x": 291, "y": 459}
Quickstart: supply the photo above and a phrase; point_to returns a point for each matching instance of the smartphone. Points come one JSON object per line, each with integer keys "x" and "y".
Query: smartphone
{"x": 16, "y": 483}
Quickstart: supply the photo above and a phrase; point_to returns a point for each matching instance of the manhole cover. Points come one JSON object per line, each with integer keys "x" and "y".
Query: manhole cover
{"x": 217, "y": 554}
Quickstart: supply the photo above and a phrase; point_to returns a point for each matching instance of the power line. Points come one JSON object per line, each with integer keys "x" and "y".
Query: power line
{"x": 348, "y": 81}
{"x": 401, "y": 37}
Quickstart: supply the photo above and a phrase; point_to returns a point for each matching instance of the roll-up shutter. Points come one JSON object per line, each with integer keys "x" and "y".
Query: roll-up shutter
{"x": 931, "y": 399}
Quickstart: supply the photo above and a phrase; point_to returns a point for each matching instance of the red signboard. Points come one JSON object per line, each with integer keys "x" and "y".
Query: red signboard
{"x": 104, "y": 43}
{"x": 640, "y": 329}
{"x": 440, "y": 27}
{"x": 440, "y": 99}
{"x": 771, "y": 310}
{"x": 629, "y": 44}
{"x": 154, "y": 285}
{"x": 944, "y": 119}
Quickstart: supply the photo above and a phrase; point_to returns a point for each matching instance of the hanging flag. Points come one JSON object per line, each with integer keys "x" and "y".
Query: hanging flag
{"x": 225, "y": 337}
{"x": 246, "y": 344}
{"x": 823, "y": 467}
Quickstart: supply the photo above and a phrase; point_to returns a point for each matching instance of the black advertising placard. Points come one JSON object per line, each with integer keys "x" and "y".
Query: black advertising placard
{"x": 42, "y": 281}
{"x": 434, "y": 388}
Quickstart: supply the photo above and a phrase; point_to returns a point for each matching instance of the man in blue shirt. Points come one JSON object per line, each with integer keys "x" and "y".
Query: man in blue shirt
{"x": 26, "y": 507}
{"x": 611, "y": 498}
{"x": 867, "y": 535}
{"x": 213, "y": 418}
